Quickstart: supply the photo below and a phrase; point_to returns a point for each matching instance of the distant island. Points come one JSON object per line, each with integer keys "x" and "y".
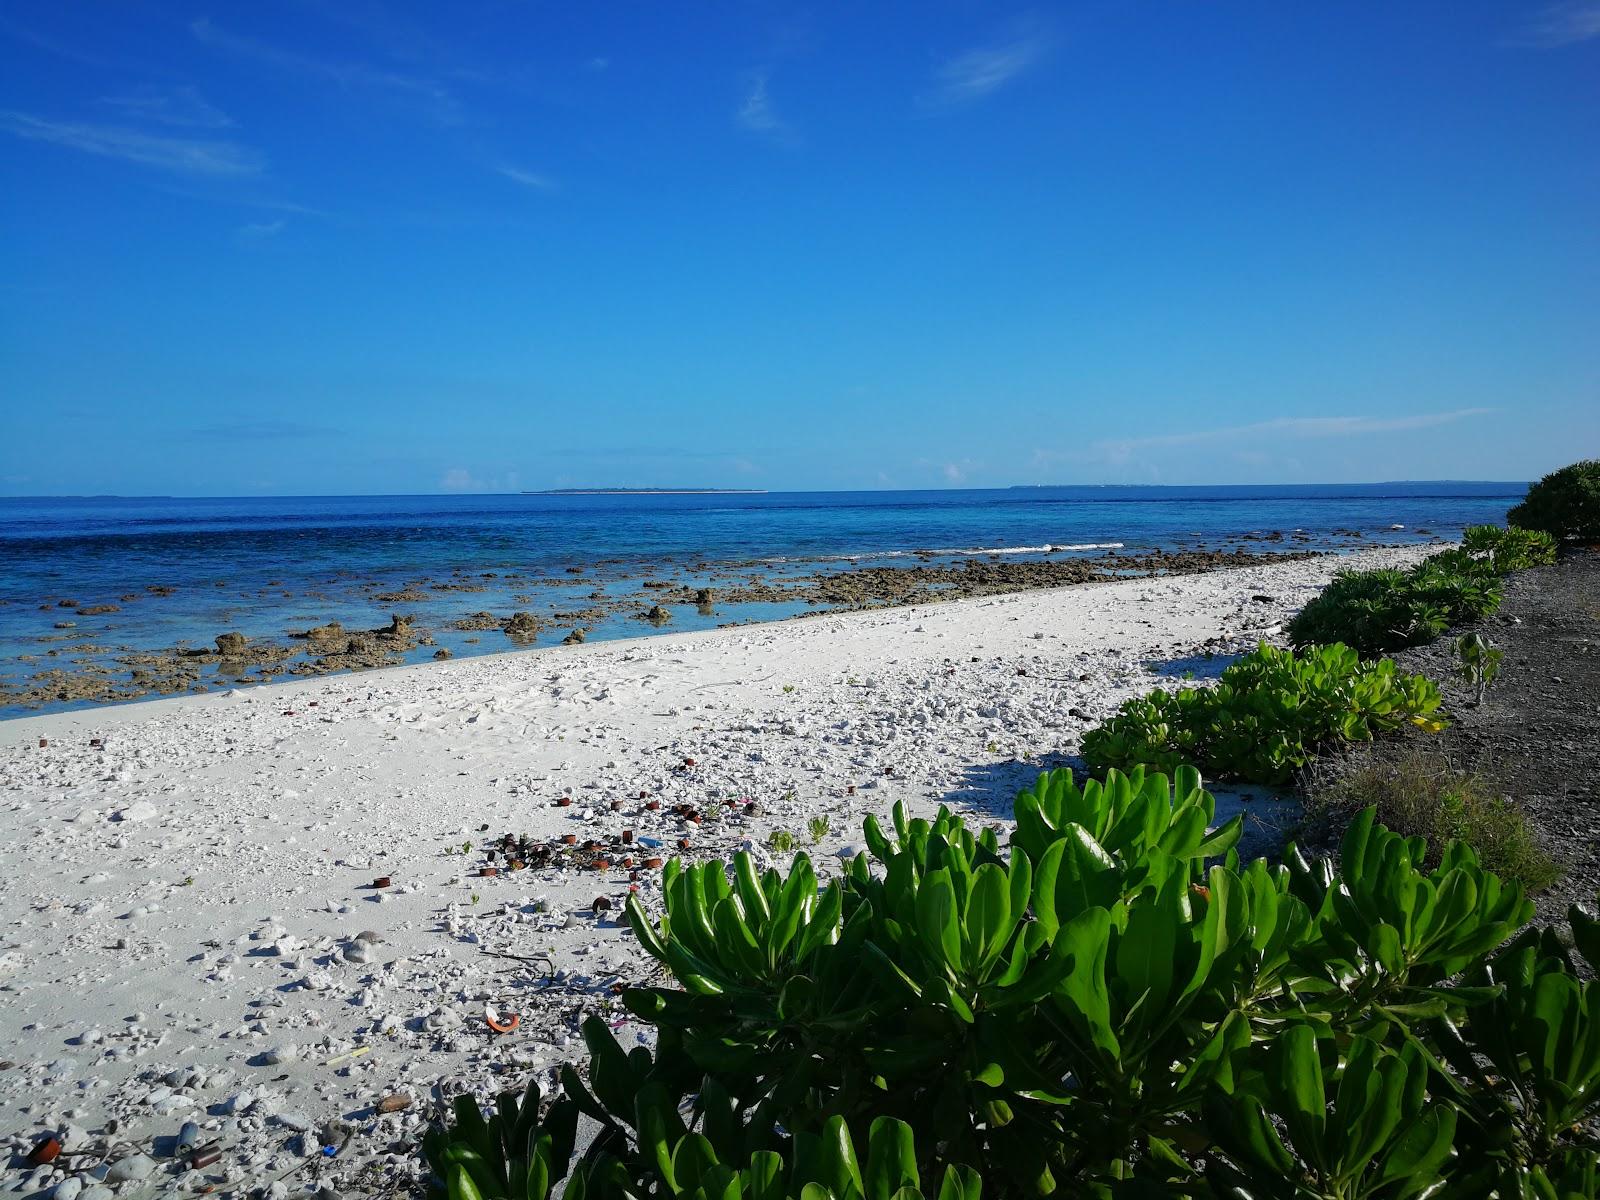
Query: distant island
{"x": 649, "y": 491}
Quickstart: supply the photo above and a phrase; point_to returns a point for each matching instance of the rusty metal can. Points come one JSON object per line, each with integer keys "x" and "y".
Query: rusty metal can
{"x": 205, "y": 1155}
{"x": 44, "y": 1152}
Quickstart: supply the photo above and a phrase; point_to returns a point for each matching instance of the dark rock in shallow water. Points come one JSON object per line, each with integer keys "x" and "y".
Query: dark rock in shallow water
{"x": 398, "y": 628}
{"x": 521, "y": 625}
{"x": 337, "y": 649}
{"x": 330, "y": 632}
{"x": 573, "y": 638}
{"x": 231, "y": 645}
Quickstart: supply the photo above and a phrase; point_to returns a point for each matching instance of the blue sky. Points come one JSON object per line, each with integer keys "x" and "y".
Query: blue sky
{"x": 367, "y": 246}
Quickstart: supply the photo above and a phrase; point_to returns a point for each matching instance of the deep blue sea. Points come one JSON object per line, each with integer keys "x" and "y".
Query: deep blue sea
{"x": 264, "y": 566}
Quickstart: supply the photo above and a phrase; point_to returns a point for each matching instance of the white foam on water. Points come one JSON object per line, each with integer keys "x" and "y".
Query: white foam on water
{"x": 952, "y": 552}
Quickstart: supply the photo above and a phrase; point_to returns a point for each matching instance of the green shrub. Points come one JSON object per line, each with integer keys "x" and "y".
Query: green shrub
{"x": 1384, "y": 610}
{"x": 1272, "y": 711}
{"x": 1102, "y": 1009}
{"x": 1372, "y": 611}
{"x": 523, "y": 1149}
{"x": 1464, "y": 587}
{"x": 1509, "y": 549}
{"x": 1565, "y": 503}
{"x": 1420, "y": 793}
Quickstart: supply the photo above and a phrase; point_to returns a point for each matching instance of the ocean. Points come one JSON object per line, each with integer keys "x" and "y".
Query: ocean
{"x": 177, "y": 572}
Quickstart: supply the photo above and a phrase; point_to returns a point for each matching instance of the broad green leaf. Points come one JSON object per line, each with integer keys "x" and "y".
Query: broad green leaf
{"x": 1083, "y": 993}
{"x": 1299, "y": 1091}
{"x": 988, "y": 917}
{"x": 891, "y": 1159}
{"x": 937, "y": 919}
{"x": 460, "y": 1186}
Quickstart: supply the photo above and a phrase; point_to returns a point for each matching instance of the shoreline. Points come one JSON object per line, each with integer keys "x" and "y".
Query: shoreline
{"x": 107, "y": 675}
{"x": 191, "y": 926}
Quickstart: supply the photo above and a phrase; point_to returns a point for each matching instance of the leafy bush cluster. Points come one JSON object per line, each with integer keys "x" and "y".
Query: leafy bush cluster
{"x": 1386, "y": 609}
{"x": 1272, "y": 711}
{"x": 1510, "y": 549}
{"x": 1564, "y": 504}
{"x": 1101, "y": 1009}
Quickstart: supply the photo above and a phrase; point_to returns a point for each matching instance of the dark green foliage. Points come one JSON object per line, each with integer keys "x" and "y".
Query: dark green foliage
{"x": 1510, "y": 549}
{"x": 1378, "y": 1137}
{"x": 650, "y": 1149}
{"x": 513, "y": 1154}
{"x": 1101, "y": 1009}
{"x": 1271, "y": 713}
{"x": 1383, "y": 610}
{"x": 1372, "y": 611}
{"x": 1565, "y": 503}
{"x": 1386, "y": 609}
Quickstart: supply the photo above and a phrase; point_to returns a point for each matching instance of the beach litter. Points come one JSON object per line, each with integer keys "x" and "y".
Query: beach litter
{"x": 501, "y": 1023}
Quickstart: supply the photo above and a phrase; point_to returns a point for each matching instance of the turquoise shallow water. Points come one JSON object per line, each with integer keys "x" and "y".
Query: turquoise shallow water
{"x": 266, "y": 565}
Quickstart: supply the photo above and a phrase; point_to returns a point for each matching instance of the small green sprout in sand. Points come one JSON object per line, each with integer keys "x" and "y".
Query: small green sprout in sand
{"x": 818, "y": 828}
{"x": 787, "y": 688}
{"x": 780, "y": 841}
{"x": 1478, "y": 662}
{"x": 476, "y": 898}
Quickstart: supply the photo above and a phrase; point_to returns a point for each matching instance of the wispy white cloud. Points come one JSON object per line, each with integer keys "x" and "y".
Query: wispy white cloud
{"x": 951, "y": 472}
{"x": 984, "y": 69}
{"x": 184, "y": 107}
{"x": 257, "y": 231}
{"x": 528, "y": 179}
{"x": 187, "y": 156}
{"x": 460, "y": 479}
{"x": 435, "y": 99}
{"x": 1287, "y": 428}
{"x": 598, "y": 63}
{"x": 1563, "y": 24}
{"x": 756, "y": 112}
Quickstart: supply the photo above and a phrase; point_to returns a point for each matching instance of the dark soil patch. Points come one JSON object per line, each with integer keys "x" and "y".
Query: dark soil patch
{"x": 1536, "y": 738}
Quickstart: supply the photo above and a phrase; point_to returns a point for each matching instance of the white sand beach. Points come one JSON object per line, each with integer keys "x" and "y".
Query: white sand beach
{"x": 189, "y": 928}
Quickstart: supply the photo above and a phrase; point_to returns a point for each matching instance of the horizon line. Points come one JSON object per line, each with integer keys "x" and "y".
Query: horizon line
{"x": 629, "y": 491}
